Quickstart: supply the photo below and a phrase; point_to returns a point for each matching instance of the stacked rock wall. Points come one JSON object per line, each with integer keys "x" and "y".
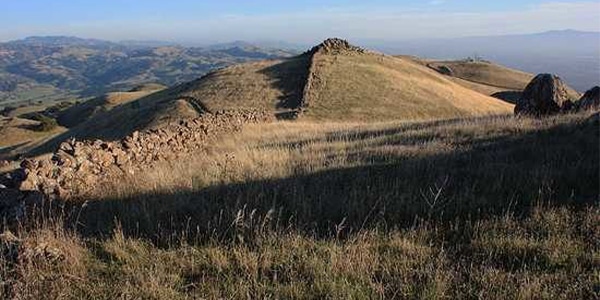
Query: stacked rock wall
{"x": 81, "y": 166}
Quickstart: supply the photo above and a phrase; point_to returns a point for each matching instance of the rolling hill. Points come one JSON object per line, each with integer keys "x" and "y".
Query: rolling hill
{"x": 84, "y": 111}
{"x": 488, "y": 78}
{"x": 339, "y": 82}
{"x": 334, "y": 81}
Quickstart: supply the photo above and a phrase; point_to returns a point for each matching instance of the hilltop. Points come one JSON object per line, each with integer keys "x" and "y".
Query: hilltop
{"x": 337, "y": 81}
{"x": 333, "y": 81}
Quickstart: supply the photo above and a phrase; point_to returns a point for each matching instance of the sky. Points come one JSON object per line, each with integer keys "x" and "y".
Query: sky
{"x": 189, "y": 21}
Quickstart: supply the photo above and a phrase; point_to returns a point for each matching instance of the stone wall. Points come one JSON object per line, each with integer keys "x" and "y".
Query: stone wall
{"x": 78, "y": 167}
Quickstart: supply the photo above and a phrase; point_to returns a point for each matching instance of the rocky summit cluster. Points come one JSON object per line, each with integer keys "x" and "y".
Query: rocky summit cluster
{"x": 547, "y": 94}
{"x": 336, "y": 46}
{"x": 79, "y": 166}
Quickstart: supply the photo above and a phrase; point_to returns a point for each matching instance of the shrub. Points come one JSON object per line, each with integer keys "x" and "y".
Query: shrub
{"x": 46, "y": 123}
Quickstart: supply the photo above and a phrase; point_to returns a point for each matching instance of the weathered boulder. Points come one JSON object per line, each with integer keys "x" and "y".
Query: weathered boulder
{"x": 590, "y": 100}
{"x": 546, "y": 94}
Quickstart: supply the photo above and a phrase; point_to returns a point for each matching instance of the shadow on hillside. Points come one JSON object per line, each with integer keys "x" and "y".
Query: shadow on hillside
{"x": 290, "y": 78}
{"x": 489, "y": 176}
{"x": 508, "y": 96}
{"x": 132, "y": 116}
{"x": 6, "y": 152}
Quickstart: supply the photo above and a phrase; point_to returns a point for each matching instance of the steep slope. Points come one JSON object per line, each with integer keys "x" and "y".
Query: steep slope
{"x": 272, "y": 85}
{"x": 351, "y": 84}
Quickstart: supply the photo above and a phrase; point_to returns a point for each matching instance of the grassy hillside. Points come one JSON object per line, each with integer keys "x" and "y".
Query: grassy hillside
{"x": 86, "y": 110}
{"x": 20, "y": 135}
{"x": 492, "y": 207}
{"x": 375, "y": 87}
{"x": 271, "y": 85}
{"x": 351, "y": 88}
{"x": 486, "y": 73}
{"x": 360, "y": 87}
{"x": 488, "y": 78}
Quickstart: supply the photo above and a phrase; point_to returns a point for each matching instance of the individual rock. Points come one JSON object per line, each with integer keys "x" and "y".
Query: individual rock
{"x": 445, "y": 70}
{"x": 546, "y": 94}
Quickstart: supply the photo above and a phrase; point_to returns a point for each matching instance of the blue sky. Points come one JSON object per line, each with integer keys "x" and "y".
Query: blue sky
{"x": 293, "y": 21}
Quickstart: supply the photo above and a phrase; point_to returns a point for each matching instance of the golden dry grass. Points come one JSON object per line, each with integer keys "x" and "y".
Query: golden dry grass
{"x": 488, "y": 78}
{"x": 301, "y": 210}
{"x": 18, "y": 136}
{"x": 265, "y": 85}
{"x": 89, "y": 109}
{"x": 376, "y": 87}
{"x": 487, "y": 73}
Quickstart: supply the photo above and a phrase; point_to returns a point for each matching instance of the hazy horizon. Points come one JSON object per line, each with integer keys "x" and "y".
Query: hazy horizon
{"x": 291, "y": 42}
{"x": 206, "y": 22}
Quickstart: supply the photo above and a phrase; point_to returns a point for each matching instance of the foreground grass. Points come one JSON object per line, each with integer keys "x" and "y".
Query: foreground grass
{"x": 553, "y": 254}
{"x": 489, "y": 208}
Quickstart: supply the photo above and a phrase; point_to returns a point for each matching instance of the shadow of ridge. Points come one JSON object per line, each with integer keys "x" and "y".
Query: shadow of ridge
{"x": 4, "y": 151}
{"x": 508, "y": 96}
{"x": 289, "y": 77}
{"x": 557, "y": 166}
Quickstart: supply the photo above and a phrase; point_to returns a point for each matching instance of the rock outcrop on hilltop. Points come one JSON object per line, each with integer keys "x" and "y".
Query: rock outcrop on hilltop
{"x": 546, "y": 94}
{"x": 331, "y": 46}
{"x": 79, "y": 167}
{"x": 336, "y": 46}
{"x": 590, "y": 100}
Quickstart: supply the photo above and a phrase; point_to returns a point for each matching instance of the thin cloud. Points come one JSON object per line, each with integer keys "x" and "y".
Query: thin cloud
{"x": 307, "y": 27}
{"x": 437, "y": 2}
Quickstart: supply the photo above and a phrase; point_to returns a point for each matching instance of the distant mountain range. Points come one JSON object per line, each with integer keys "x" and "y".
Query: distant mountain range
{"x": 54, "y": 67}
{"x": 573, "y": 55}
{"x": 59, "y": 67}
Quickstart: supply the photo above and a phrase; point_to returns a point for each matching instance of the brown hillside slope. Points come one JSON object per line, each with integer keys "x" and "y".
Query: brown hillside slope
{"x": 351, "y": 85}
{"x": 272, "y": 85}
{"x": 486, "y": 73}
{"x": 364, "y": 86}
{"x": 84, "y": 111}
{"x": 354, "y": 85}
{"x": 487, "y": 78}
{"x": 268, "y": 85}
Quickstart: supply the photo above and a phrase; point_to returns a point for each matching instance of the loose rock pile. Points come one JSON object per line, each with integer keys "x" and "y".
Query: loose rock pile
{"x": 80, "y": 166}
{"x": 336, "y": 46}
